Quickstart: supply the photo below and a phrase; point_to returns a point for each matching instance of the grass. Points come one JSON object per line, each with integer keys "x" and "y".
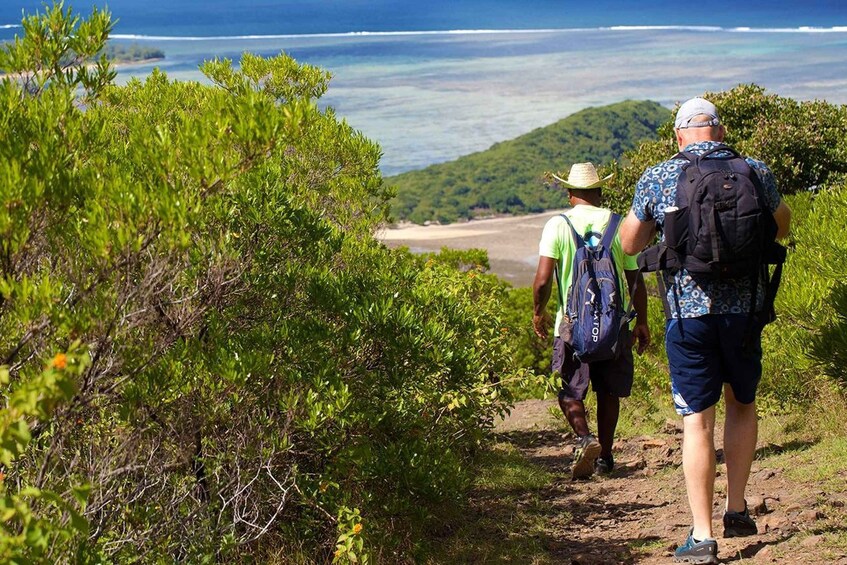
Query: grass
{"x": 504, "y": 519}
{"x": 503, "y": 468}
{"x": 821, "y": 463}
{"x": 647, "y": 546}
{"x": 811, "y": 446}
{"x": 645, "y": 414}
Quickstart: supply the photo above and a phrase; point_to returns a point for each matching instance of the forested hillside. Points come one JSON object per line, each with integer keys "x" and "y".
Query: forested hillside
{"x": 509, "y": 177}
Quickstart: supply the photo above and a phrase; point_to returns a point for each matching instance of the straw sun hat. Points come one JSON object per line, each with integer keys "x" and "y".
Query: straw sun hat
{"x": 583, "y": 175}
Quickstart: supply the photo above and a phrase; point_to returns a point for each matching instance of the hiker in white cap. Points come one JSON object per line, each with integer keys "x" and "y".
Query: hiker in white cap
{"x": 611, "y": 379}
{"x": 718, "y": 215}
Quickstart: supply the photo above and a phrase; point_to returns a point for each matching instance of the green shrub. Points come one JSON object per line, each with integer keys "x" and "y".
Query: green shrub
{"x": 802, "y": 142}
{"x": 253, "y": 373}
{"x": 805, "y": 347}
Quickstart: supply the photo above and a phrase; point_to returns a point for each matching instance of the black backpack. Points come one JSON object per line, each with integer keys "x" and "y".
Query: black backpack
{"x": 722, "y": 226}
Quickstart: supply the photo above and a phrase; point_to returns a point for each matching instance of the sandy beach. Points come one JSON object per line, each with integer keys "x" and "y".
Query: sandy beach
{"x": 511, "y": 242}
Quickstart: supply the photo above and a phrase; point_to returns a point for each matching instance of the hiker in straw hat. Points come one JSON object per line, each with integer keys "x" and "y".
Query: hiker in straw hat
{"x": 611, "y": 379}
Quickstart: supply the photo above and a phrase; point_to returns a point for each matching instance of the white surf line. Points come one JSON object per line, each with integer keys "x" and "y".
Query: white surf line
{"x": 360, "y": 34}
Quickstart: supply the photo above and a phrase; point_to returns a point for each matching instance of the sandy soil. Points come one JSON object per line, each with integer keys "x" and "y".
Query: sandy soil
{"x": 511, "y": 242}
{"x": 639, "y": 514}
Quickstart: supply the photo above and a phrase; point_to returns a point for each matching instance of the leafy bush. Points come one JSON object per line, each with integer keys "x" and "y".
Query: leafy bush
{"x": 802, "y": 142}
{"x": 235, "y": 367}
{"x": 805, "y": 348}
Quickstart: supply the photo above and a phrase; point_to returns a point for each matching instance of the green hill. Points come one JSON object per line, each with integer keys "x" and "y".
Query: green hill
{"x": 507, "y": 178}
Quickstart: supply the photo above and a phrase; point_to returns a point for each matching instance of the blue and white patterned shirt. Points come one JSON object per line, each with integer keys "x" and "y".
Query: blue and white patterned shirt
{"x": 689, "y": 297}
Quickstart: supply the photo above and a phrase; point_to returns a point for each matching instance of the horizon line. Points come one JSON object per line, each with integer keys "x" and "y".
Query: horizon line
{"x": 366, "y": 33}
{"x": 357, "y": 34}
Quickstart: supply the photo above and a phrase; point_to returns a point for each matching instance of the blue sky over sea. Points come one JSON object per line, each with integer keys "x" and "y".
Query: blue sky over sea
{"x": 436, "y": 80}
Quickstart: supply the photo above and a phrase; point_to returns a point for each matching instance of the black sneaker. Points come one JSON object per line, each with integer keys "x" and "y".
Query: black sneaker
{"x": 604, "y": 465}
{"x": 584, "y": 456}
{"x": 739, "y": 524}
{"x": 693, "y": 551}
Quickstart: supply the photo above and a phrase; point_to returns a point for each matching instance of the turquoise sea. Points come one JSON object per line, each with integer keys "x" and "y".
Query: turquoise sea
{"x": 431, "y": 82}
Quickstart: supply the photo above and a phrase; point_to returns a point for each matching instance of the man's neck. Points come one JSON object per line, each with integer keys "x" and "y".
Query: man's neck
{"x": 710, "y": 141}
{"x": 582, "y": 202}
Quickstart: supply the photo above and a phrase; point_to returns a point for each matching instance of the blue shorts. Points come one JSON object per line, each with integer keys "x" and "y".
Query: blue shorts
{"x": 706, "y": 352}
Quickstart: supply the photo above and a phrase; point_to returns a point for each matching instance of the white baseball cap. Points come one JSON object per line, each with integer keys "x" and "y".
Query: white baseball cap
{"x": 690, "y": 109}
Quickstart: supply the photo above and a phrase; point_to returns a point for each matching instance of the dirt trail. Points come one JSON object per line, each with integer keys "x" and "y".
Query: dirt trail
{"x": 638, "y": 514}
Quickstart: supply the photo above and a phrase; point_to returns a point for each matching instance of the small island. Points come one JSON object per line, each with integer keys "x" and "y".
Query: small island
{"x": 132, "y": 54}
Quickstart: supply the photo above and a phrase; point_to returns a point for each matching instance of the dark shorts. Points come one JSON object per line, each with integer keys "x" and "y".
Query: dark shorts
{"x": 613, "y": 377}
{"x": 706, "y": 352}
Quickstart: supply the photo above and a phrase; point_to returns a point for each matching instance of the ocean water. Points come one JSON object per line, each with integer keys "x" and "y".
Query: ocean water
{"x": 434, "y": 81}
{"x": 273, "y": 17}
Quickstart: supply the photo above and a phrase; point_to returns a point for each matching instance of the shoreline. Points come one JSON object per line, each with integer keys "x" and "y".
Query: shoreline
{"x": 140, "y": 62}
{"x": 115, "y": 64}
{"x": 510, "y": 241}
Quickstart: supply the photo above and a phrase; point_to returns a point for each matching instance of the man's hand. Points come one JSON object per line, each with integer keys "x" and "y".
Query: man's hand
{"x": 542, "y": 323}
{"x": 641, "y": 334}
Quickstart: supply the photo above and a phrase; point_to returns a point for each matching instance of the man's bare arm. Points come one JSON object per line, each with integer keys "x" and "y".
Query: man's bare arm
{"x": 541, "y": 289}
{"x": 641, "y": 331}
{"x": 635, "y": 234}
{"x": 782, "y": 215}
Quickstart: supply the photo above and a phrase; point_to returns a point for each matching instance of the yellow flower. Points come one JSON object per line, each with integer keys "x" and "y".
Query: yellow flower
{"x": 338, "y": 553}
{"x": 60, "y": 361}
{"x": 323, "y": 486}
{"x": 357, "y": 528}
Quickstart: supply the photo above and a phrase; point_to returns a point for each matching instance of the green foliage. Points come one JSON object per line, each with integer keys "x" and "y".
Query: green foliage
{"x": 805, "y": 347}
{"x": 33, "y": 518}
{"x": 246, "y": 366}
{"x": 509, "y": 177}
{"x": 802, "y": 142}
{"x": 531, "y": 353}
{"x": 54, "y": 48}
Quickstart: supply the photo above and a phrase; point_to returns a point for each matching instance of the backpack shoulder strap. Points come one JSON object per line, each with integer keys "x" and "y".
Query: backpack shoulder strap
{"x": 578, "y": 241}
{"x": 726, "y": 148}
{"x": 689, "y": 172}
{"x": 611, "y": 230}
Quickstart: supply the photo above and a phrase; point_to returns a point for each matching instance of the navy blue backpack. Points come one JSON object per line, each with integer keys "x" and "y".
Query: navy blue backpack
{"x": 595, "y": 315}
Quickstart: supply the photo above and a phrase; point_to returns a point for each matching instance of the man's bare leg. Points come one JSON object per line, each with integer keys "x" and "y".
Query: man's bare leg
{"x": 574, "y": 411}
{"x": 698, "y": 465}
{"x": 739, "y": 447}
{"x": 608, "y": 411}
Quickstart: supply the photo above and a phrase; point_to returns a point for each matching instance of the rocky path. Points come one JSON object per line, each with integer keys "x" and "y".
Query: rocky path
{"x": 638, "y": 514}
